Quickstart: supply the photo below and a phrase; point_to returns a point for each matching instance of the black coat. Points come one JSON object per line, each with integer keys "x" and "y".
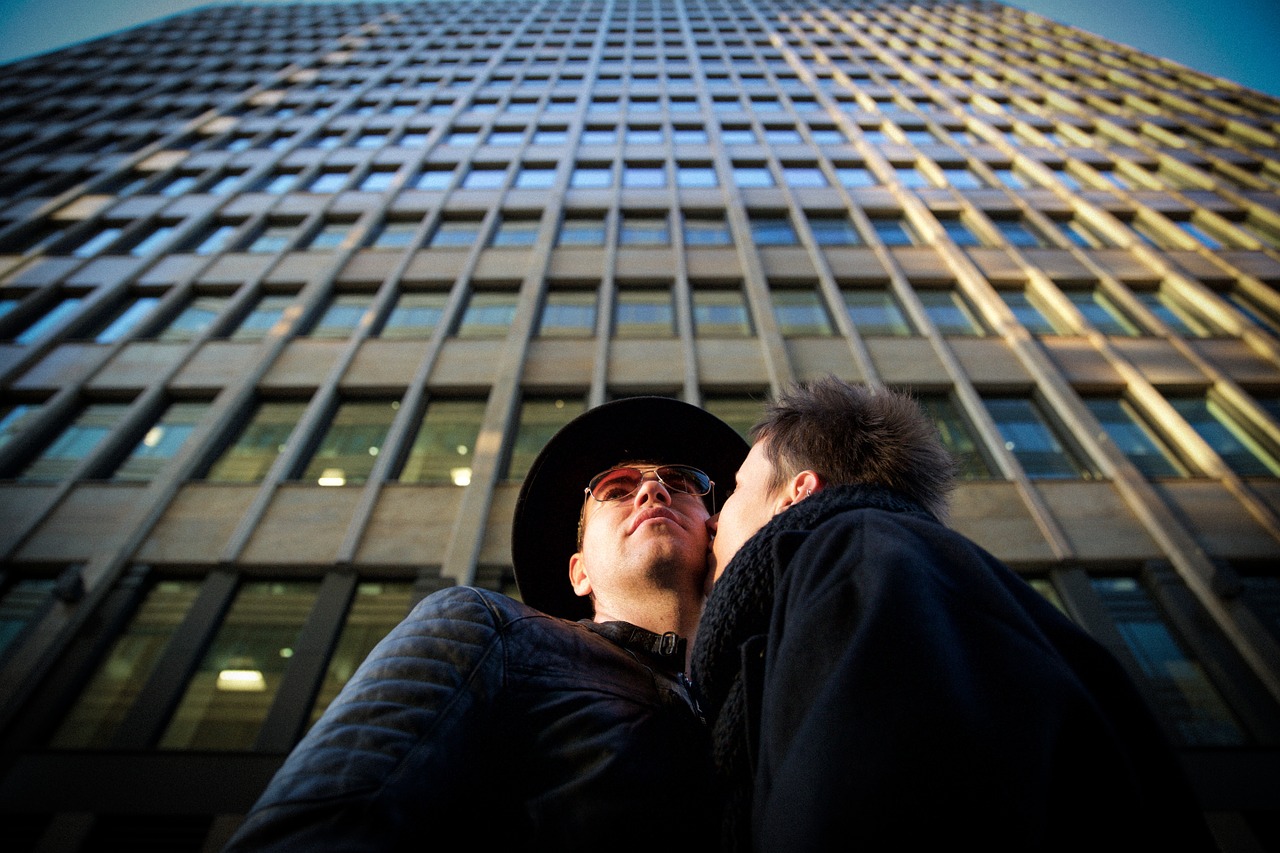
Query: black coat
{"x": 877, "y": 681}
{"x": 480, "y": 721}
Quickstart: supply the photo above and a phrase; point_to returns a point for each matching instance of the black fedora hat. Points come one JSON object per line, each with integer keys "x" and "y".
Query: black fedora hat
{"x": 545, "y": 528}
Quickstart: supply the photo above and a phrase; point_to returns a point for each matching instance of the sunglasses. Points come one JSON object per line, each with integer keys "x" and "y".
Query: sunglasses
{"x": 618, "y": 484}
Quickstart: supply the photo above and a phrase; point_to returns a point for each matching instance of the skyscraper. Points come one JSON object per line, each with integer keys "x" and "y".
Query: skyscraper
{"x": 291, "y": 295}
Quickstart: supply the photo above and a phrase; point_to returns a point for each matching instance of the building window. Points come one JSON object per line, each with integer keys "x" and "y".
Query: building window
{"x": 13, "y": 420}
{"x": 485, "y": 178}
{"x": 516, "y": 231}
{"x": 1185, "y": 696}
{"x": 568, "y": 313}
{"x": 328, "y": 237}
{"x": 1030, "y": 437}
{"x": 1176, "y": 315}
{"x": 96, "y": 716}
{"x": 643, "y": 230}
{"x": 74, "y": 444}
{"x": 1135, "y": 437}
{"x": 752, "y": 176}
{"x": 1018, "y": 233}
{"x": 720, "y": 313}
{"x": 775, "y": 230}
{"x": 263, "y": 439}
{"x": 350, "y": 447}
{"x": 272, "y": 238}
{"x": 691, "y": 176}
{"x": 266, "y": 312}
{"x": 394, "y": 234}
{"x": 415, "y": 315}
{"x": 957, "y": 437}
{"x": 706, "y": 230}
{"x": 540, "y": 418}
{"x": 803, "y": 177}
{"x": 97, "y": 241}
{"x": 455, "y": 233}
{"x": 834, "y": 231}
{"x": 892, "y": 230}
{"x": 643, "y": 313}
{"x": 800, "y": 313}
{"x": 536, "y": 177}
{"x": 341, "y": 316}
{"x": 962, "y": 179}
{"x": 445, "y": 443}
{"x": 234, "y": 686}
{"x": 582, "y": 230}
{"x": 951, "y": 313}
{"x": 375, "y": 610}
{"x": 434, "y": 178}
{"x": 125, "y": 319}
{"x": 489, "y": 314}
{"x": 161, "y": 442}
{"x": 855, "y": 176}
{"x": 1027, "y": 312}
{"x": 1101, "y": 312}
{"x": 591, "y": 176}
{"x": 378, "y": 180}
{"x": 1242, "y": 451}
{"x": 644, "y": 175}
{"x": 196, "y": 317}
{"x": 875, "y": 311}
{"x": 957, "y": 231}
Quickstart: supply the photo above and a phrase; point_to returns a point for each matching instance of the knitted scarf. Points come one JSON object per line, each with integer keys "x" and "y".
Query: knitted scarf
{"x": 740, "y": 607}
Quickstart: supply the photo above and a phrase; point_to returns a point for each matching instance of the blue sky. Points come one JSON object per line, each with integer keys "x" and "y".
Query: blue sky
{"x": 1235, "y": 39}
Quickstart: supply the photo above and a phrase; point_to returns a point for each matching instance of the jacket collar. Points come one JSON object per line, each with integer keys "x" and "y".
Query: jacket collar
{"x": 666, "y": 649}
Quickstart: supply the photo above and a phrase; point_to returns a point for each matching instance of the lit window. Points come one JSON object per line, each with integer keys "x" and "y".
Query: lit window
{"x": 445, "y": 444}
{"x": 350, "y": 446}
{"x": 1030, "y": 437}
{"x": 236, "y": 683}
{"x": 255, "y": 450}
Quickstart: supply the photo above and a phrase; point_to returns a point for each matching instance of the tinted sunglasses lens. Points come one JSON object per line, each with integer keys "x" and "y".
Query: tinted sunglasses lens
{"x": 691, "y": 481}
{"x": 615, "y": 485}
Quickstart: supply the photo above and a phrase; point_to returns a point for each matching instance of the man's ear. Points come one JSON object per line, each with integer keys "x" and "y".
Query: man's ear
{"x": 578, "y": 575}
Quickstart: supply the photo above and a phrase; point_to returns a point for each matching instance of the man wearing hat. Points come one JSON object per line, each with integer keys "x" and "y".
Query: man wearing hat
{"x": 563, "y": 722}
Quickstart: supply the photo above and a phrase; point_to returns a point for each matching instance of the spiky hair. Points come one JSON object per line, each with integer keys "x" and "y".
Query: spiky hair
{"x": 849, "y": 433}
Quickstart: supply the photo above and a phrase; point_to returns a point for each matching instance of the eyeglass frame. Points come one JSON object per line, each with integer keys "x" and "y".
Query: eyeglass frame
{"x": 644, "y": 468}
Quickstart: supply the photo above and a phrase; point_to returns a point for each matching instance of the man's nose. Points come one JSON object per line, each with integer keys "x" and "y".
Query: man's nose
{"x": 651, "y": 488}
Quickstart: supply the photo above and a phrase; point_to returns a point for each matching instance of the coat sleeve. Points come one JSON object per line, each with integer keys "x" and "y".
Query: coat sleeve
{"x": 391, "y": 753}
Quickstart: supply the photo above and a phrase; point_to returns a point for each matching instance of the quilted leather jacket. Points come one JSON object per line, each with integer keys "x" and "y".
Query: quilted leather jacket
{"x": 481, "y": 716}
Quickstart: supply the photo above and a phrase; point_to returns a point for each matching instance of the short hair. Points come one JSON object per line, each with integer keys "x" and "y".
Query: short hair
{"x": 849, "y": 434}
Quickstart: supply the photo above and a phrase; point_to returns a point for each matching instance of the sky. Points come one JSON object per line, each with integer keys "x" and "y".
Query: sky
{"x": 1235, "y": 39}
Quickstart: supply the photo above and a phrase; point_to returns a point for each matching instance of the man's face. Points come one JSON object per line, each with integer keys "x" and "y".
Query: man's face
{"x": 655, "y": 539}
{"x": 745, "y": 511}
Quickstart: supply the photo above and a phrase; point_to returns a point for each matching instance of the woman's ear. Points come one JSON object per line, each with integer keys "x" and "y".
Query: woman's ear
{"x": 578, "y": 575}
{"x": 801, "y": 486}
